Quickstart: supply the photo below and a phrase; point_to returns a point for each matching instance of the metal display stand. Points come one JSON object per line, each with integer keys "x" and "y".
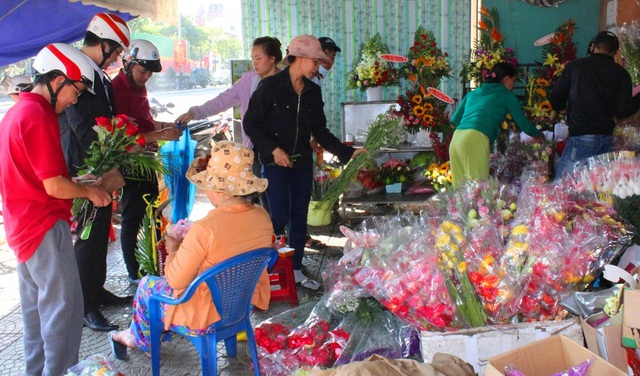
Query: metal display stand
{"x": 356, "y": 118}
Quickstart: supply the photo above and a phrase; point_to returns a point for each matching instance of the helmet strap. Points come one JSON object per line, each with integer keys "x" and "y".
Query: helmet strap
{"x": 105, "y": 54}
{"x": 54, "y": 94}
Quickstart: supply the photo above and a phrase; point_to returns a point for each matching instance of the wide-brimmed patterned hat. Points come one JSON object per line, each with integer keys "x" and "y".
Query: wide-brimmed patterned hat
{"x": 228, "y": 170}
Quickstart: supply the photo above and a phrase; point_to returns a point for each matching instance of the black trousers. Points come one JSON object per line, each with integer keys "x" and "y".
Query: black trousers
{"x": 133, "y": 210}
{"x": 91, "y": 255}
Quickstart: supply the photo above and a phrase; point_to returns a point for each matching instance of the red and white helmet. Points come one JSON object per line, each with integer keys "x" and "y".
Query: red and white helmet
{"x": 112, "y": 27}
{"x": 65, "y": 59}
{"x": 18, "y": 83}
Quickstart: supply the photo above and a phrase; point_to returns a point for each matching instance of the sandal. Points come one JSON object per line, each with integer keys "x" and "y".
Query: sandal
{"x": 310, "y": 284}
{"x": 315, "y": 244}
{"x": 119, "y": 349}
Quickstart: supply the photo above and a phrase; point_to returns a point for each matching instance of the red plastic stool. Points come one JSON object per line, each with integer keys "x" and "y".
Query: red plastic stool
{"x": 283, "y": 283}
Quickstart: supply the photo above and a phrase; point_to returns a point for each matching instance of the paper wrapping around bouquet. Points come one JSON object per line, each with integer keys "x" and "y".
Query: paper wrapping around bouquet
{"x": 112, "y": 180}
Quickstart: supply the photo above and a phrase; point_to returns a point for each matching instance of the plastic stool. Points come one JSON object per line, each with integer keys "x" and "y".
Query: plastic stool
{"x": 281, "y": 276}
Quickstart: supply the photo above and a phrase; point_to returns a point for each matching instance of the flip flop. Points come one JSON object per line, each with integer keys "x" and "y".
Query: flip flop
{"x": 310, "y": 284}
{"x": 119, "y": 350}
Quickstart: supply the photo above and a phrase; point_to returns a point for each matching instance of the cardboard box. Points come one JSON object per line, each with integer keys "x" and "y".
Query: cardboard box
{"x": 475, "y": 346}
{"x": 548, "y": 356}
{"x": 631, "y": 319}
{"x": 605, "y": 341}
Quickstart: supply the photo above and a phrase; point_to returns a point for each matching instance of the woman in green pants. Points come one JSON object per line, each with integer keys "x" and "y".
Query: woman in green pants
{"x": 478, "y": 119}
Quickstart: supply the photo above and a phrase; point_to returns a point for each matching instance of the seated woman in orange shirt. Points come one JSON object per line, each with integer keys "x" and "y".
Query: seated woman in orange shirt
{"x": 222, "y": 234}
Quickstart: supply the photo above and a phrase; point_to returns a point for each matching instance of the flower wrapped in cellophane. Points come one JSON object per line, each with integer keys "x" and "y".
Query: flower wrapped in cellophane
{"x": 450, "y": 243}
{"x": 299, "y": 339}
{"x": 400, "y": 271}
{"x": 519, "y": 157}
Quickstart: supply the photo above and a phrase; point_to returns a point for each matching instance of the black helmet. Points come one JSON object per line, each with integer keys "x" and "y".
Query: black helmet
{"x": 606, "y": 38}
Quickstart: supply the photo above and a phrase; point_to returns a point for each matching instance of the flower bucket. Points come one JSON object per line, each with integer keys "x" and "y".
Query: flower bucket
{"x": 394, "y": 188}
{"x": 423, "y": 138}
{"x": 374, "y": 94}
{"x": 319, "y": 216}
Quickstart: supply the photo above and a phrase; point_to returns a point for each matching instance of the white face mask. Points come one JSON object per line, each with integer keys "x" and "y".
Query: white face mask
{"x": 323, "y": 72}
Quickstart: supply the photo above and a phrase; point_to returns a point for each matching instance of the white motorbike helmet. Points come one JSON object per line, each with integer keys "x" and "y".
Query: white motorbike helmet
{"x": 63, "y": 59}
{"x": 111, "y": 27}
{"x": 18, "y": 83}
{"x": 144, "y": 53}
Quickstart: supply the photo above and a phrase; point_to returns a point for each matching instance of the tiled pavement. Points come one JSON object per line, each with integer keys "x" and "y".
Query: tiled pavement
{"x": 178, "y": 357}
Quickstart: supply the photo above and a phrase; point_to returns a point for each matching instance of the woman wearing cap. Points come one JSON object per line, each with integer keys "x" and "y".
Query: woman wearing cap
{"x": 283, "y": 114}
{"x": 228, "y": 183}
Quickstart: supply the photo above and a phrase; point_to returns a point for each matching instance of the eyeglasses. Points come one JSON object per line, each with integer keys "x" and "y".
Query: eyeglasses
{"x": 78, "y": 91}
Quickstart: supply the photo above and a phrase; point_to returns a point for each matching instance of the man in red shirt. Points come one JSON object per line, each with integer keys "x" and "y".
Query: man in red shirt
{"x": 36, "y": 192}
{"x": 131, "y": 99}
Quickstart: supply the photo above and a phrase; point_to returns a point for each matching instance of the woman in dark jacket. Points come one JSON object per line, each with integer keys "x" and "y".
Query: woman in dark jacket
{"x": 283, "y": 114}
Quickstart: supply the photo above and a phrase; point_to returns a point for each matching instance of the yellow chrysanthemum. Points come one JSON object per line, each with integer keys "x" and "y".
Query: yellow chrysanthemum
{"x": 443, "y": 240}
{"x": 520, "y": 230}
{"x": 446, "y": 225}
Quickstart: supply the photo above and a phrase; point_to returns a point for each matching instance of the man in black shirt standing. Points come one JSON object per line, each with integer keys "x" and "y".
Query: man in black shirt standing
{"x": 106, "y": 38}
{"x": 593, "y": 90}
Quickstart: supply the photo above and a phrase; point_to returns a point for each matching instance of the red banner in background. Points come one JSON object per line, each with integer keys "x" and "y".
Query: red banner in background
{"x": 180, "y": 52}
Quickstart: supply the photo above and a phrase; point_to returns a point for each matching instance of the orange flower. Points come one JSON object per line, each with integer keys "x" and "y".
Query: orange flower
{"x": 424, "y": 92}
{"x": 412, "y": 78}
{"x": 417, "y": 99}
{"x": 428, "y": 118}
{"x": 418, "y": 110}
{"x": 483, "y": 25}
{"x": 484, "y": 10}
{"x": 558, "y": 38}
{"x": 496, "y": 35}
{"x": 541, "y": 92}
{"x": 428, "y": 107}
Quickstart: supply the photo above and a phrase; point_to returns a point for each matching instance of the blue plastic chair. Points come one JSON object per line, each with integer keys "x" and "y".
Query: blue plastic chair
{"x": 232, "y": 283}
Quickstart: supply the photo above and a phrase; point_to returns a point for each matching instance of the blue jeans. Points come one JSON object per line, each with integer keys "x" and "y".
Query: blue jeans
{"x": 582, "y": 147}
{"x": 289, "y": 193}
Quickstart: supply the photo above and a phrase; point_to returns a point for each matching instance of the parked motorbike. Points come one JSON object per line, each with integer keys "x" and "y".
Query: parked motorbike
{"x": 204, "y": 131}
{"x": 158, "y": 108}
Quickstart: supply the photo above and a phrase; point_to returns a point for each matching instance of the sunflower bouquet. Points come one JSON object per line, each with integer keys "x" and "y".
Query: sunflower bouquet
{"x": 489, "y": 49}
{"x": 560, "y": 50}
{"x": 369, "y": 70}
{"x": 427, "y": 65}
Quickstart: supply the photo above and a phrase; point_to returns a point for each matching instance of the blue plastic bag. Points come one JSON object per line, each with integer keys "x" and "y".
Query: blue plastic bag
{"x": 177, "y": 156}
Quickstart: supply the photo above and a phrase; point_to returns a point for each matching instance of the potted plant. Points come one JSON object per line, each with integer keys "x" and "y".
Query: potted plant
{"x": 393, "y": 173}
{"x": 369, "y": 71}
